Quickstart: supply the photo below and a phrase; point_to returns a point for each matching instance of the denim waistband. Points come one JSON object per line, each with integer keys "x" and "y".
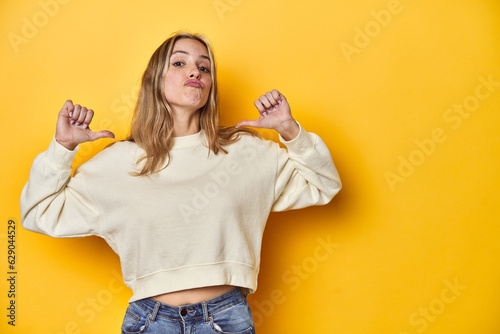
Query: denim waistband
{"x": 202, "y": 309}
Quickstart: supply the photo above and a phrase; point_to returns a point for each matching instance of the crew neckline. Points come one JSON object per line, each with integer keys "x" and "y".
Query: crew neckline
{"x": 187, "y": 141}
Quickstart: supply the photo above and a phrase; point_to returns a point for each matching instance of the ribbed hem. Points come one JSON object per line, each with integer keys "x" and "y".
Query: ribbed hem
{"x": 58, "y": 156}
{"x": 301, "y": 145}
{"x": 225, "y": 273}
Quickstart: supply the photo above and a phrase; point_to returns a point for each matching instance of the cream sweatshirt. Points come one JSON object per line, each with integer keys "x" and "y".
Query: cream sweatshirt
{"x": 199, "y": 222}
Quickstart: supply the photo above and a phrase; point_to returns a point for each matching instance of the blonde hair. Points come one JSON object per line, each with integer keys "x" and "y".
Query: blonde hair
{"x": 152, "y": 123}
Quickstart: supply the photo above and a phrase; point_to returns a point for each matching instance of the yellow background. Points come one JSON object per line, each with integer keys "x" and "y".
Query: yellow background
{"x": 397, "y": 246}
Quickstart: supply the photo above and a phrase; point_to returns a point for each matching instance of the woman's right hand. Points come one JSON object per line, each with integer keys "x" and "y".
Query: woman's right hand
{"x": 73, "y": 126}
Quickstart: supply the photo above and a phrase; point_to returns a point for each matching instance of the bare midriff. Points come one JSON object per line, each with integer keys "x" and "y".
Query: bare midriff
{"x": 191, "y": 296}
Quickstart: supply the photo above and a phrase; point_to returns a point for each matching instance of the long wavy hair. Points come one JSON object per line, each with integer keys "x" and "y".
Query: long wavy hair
{"x": 152, "y": 123}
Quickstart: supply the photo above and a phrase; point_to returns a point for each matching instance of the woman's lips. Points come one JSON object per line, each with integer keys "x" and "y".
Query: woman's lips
{"x": 194, "y": 83}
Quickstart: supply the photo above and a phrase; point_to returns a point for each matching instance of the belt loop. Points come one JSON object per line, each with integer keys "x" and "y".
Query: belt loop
{"x": 206, "y": 316}
{"x": 245, "y": 293}
{"x": 155, "y": 311}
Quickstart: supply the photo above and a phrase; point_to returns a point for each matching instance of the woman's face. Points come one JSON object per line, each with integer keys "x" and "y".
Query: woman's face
{"x": 188, "y": 80}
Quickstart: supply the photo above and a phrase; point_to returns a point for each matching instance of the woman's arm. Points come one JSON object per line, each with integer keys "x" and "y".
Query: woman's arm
{"x": 52, "y": 202}
{"x": 305, "y": 173}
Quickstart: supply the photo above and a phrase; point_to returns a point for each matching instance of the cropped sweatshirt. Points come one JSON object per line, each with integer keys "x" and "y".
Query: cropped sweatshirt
{"x": 198, "y": 222}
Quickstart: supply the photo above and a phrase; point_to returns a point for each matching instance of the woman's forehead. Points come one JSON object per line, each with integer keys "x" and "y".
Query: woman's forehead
{"x": 189, "y": 46}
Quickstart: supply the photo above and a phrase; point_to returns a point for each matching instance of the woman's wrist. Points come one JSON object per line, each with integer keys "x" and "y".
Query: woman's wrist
{"x": 67, "y": 145}
{"x": 288, "y": 130}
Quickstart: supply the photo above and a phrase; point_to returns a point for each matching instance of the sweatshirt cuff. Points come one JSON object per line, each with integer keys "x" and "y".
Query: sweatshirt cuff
{"x": 58, "y": 156}
{"x": 302, "y": 144}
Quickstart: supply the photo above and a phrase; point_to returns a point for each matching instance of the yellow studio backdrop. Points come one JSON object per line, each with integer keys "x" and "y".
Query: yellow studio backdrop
{"x": 406, "y": 94}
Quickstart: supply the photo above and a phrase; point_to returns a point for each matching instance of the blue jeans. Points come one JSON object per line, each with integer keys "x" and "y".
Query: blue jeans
{"x": 227, "y": 313}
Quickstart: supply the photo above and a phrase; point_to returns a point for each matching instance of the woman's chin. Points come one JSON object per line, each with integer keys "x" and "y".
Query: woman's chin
{"x": 196, "y": 103}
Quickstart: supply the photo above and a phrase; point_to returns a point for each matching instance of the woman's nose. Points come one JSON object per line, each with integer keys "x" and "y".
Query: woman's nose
{"x": 194, "y": 72}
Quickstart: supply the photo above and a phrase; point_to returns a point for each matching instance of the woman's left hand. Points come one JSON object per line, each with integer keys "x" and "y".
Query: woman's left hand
{"x": 275, "y": 114}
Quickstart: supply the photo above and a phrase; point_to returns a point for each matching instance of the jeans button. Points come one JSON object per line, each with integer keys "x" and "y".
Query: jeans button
{"x": 184, "y": 312}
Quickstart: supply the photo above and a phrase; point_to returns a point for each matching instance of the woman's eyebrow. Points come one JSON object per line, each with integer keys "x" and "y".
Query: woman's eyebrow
{"x": 187, "y": 53}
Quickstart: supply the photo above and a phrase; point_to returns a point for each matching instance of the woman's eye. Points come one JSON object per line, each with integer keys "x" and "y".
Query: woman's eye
{"x": 204, "y": 69}
{"x": 177, "y": 64}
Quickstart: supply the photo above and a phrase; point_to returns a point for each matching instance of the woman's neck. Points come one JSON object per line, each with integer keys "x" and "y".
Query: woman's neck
{"x": 186, "y": 124}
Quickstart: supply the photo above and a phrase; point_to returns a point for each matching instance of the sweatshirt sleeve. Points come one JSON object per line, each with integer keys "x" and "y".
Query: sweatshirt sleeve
{"x": 53, "y": 202}
{"x": 306, "y": 174}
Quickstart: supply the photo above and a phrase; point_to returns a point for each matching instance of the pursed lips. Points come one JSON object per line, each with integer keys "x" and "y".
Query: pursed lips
{"x": 194, "y": 83}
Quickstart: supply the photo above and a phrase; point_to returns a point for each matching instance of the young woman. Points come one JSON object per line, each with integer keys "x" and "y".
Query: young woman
{"x": 183, "y": 201}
